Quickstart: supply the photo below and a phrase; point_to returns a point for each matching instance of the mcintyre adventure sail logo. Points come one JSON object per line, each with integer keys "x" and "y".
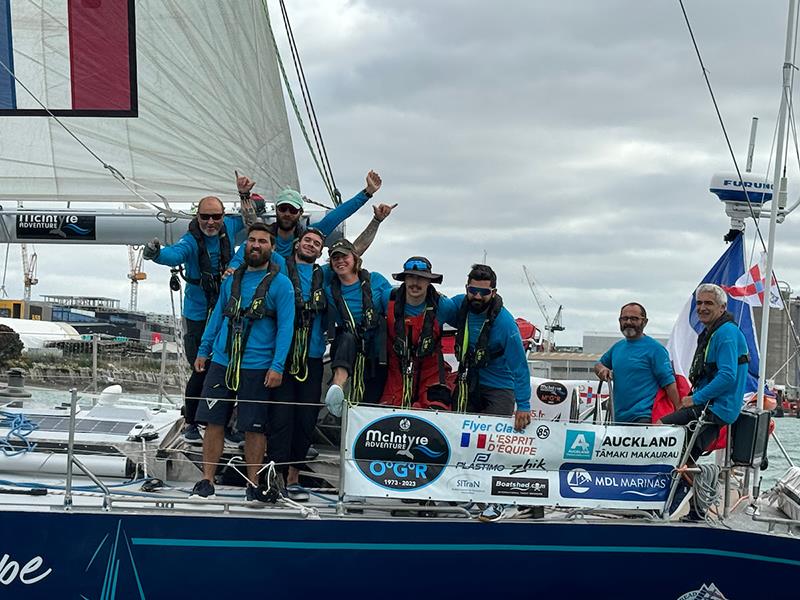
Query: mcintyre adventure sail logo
{"x": 54, "y": 226}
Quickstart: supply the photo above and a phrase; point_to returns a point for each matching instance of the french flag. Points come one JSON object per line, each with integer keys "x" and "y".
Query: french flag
{"x": 77, "y": 57}
{"x": 727, "y": 273}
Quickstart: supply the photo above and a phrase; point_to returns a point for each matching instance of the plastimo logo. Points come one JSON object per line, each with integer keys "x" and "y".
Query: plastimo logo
{"x": 401, "y": 452}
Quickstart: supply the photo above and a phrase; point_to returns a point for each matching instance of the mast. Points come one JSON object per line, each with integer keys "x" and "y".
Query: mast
{"x": 778, "y": 183}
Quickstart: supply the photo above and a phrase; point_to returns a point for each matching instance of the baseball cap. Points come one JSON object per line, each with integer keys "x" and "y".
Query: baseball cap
{"x": 290, "y": 197}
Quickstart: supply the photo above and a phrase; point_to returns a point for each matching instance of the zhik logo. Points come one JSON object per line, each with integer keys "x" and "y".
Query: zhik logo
{"x": 579, "y": 445}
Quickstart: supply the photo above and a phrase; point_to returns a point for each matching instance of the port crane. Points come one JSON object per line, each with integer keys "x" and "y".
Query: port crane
{"x": 135, "y": 273}
{"x": 551, "y": 326}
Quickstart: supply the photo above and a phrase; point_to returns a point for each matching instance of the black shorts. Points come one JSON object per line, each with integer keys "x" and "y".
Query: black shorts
{"x": 218, "y": 404}
{"x": 492, "y": 401}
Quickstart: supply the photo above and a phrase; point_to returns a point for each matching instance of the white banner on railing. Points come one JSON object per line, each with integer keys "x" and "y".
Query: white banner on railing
{"x": 552, "y": 400}
{"x": 478, "y": 458}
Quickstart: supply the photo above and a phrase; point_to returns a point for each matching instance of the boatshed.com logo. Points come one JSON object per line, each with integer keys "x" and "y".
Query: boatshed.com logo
{"x": 401, "y": 452}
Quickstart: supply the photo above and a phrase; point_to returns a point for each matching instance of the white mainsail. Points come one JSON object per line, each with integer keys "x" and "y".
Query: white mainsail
{"x": 209, "y": 102}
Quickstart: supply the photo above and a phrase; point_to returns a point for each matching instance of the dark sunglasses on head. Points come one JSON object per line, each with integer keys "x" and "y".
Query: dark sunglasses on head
{"x": 479, "y": 291}
{"x": 288, "y": 208}
{"x": 415, "y": 265}
{"x": 210, "y": 216}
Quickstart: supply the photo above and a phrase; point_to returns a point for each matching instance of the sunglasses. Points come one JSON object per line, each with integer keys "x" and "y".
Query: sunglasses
{"x": 288, "y": 208}
{"x": 416, "y": 265}
{"x": 479, "y": 291}
{"x": 210, "y": 216}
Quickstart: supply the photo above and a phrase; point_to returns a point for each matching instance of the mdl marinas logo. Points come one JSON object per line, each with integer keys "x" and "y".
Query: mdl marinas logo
{"x": 579, "y": 444}
{"x": 401, "y": 452}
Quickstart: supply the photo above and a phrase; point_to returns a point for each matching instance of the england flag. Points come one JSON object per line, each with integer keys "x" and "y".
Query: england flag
{"x": 744, "y": 292}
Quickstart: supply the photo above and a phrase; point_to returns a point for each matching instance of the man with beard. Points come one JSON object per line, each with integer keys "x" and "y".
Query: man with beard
{"x": 718, "y": 373}
{"x": 204, "y": 251}
{"x": 493, "y": 375}
{"x": 639, "y": 367}
{"x": 417, "y": 372}
{"x": 248, "y": 337}
{"x": 289, "y": 210}
{"x": 358, "y": 306}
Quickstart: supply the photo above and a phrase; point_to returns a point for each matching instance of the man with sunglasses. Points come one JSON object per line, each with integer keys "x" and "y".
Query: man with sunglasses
{"x": 289, "y": 210}
{"x": 204, "y": 252}
{"x": 639, "y": 367}
{"x": 493, "y": 376}
{"x": 418, "y": 376}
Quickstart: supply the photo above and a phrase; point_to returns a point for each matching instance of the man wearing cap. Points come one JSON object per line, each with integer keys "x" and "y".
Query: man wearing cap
{"x": 358, "y": 306}
{"x": 289, "y": 210}
{"x": 204, "y": 251}
{"x": 417, "y": 372}
{"x": 493, "y": 376}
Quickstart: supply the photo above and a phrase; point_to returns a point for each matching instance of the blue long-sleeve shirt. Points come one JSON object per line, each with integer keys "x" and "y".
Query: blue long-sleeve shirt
{"x": 445, "y": 312}
{"x": 326, "y": 225}
{"x": 510, "y": 369}
{"x": 185, "y": 252}
{"x": 725, "y": 388}
{"x": 351, "y": 294}
{"x": 316, "y": 342}
{"x": 269, "y": 340}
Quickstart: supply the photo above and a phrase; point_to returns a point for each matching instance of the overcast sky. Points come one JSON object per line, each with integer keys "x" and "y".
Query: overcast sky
{"x": 574, "y": 137}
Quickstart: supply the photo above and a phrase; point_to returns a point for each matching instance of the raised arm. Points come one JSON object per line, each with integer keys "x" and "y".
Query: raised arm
{"x": 334, "y": 218}
{"x": 366, "y": 237}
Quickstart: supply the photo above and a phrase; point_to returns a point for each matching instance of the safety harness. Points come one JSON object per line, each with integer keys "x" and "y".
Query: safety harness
{"x": 210, "y": 279}
{"x": 471, "y": 360}
{"x": 370, "y": 321}
{"x": 408, "y": 352}
{"x": 304, "y": 314}
{"x": 241, "y": 319}
{"x": 701, "y": 368}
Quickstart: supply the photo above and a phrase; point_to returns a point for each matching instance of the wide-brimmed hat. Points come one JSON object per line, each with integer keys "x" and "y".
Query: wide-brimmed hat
{"x": 419, "y": 266}
{"x": 342, "y": 246}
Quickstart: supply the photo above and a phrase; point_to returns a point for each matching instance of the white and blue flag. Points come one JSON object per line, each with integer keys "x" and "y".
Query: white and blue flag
{"x": 730, "y": 274}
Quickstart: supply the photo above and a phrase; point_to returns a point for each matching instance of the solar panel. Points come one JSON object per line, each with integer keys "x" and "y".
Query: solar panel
{"x": 61, "y": 424}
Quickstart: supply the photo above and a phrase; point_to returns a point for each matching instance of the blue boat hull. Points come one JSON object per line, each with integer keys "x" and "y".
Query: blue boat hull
{"x": 105, "y": 556}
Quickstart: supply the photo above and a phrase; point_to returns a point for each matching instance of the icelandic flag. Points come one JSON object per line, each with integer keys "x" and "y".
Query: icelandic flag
{"x": 77, "y": 57}
{"x": 728, "y": 273}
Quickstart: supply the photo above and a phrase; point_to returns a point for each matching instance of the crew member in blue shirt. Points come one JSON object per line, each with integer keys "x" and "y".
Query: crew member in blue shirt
{"x": 247, "y": 337}
{"x": 493, "y": 376}
{"x": 289, "y": 210}
{"x": 718, "y": 373}
{"x": 639, "y": 366}
{"x": 358, "y": 305}
{"x": 204, "y": 251}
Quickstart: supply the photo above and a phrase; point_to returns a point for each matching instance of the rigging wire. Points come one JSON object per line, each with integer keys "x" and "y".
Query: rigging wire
{"x": 775, "y": 193}
{"x": 295, "y": 107}
{"x": 310, "y": 111}
{"x": 722, "y": 121}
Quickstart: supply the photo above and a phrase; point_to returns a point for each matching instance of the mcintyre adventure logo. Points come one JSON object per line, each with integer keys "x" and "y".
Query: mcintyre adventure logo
{"x": 53, "y": 226}
{"x": 401, "y": 452}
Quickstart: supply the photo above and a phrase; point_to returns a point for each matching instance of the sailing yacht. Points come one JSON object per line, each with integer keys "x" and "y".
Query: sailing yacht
{"x": 122, "y": 114}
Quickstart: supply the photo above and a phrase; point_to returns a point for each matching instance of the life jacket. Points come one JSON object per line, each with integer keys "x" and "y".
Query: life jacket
{"x": 241, "y": 319}
{"x": 370, "y": 320}
{"x": 210, "y": 279}
{"x": 305, "y": 313}
{"x": 420, "y": 365}
{"x": 701, "y": 368}
{"x": 367, "y": 332}
{"x": 471, "y": 360}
